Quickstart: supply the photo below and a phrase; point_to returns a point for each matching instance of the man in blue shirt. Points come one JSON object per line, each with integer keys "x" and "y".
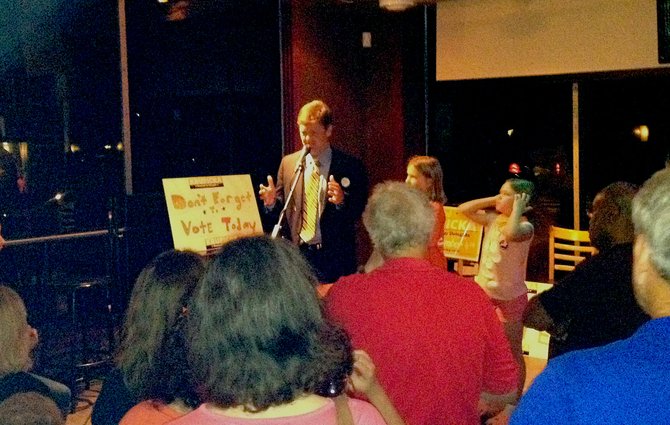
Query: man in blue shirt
{"x": 626, "y": 382}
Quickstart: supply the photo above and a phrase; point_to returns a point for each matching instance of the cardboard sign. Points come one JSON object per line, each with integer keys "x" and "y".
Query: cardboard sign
{"x": 536, "y": 343}
{"x": 462, "y": 237}
{"x": 206, "y": 212}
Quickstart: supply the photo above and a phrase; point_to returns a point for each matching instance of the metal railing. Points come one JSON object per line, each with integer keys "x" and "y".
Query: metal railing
{"x": 42, "y": 271}
{"x": 53, "y": 238}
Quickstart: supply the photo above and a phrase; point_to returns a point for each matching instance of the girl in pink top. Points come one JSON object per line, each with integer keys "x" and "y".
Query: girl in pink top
{"x": 363, "y": 380}
{"x": 502, "y": 267}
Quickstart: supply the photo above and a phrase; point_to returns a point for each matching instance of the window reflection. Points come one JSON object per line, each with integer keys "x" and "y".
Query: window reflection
{"x": 59, "y": 69}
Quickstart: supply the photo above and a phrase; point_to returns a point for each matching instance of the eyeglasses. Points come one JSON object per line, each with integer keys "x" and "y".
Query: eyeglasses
{"x": 589, "y": 211}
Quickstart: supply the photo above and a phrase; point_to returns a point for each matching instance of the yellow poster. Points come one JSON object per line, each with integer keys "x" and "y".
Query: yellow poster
{"x": 206, "y": 212}
{"x": 462, "y": 237}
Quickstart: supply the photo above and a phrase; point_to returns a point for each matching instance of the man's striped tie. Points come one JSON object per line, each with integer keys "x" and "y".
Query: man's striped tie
{"x": 310, "y": 205}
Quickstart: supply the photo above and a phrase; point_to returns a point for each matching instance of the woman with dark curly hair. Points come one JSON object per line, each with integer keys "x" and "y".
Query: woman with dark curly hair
{"x": 260, "y": 347}
{"x": 151, "y": 362}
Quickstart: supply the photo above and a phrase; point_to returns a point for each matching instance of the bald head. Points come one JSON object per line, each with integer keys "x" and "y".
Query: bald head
{"x": 611, "y": 218}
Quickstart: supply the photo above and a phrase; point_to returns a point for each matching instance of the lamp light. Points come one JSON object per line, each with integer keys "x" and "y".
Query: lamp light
{"x": 641, "y": 132}
{"x": 396, "y": 5}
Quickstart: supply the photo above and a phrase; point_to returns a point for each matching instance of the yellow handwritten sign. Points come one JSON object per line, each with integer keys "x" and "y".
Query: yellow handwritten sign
{"x": 462, "y": 237}
{"x": 206, "y": 212}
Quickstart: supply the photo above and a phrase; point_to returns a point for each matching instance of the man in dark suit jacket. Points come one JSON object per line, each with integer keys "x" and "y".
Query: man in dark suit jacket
{"x": 342, "y": 192}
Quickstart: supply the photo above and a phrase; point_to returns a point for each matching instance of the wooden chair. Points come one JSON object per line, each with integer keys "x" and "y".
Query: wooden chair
{"x": 567, "y": 248}
{"x": 466, "y": 268}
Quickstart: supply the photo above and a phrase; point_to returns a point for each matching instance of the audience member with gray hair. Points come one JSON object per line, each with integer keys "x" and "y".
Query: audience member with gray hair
{"x": 624, "y": 382}
{"x": 398, "y": 219}
{"x": 30, "y": 408}
{"x": 435, "y": 338}
{"x": 17, "y": 341}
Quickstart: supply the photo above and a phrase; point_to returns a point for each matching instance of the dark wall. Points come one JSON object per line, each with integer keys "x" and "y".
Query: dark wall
{"x": 204, "y": 90}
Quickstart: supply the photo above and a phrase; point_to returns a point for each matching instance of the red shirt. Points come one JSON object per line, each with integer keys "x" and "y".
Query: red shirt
{"x": 433, "y": 336}
{"x": 435, "y": 254}
{"x": 150, "y": 413}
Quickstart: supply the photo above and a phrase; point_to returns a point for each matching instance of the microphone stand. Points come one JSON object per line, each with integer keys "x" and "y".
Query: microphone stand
{"x": 294, "y": 183}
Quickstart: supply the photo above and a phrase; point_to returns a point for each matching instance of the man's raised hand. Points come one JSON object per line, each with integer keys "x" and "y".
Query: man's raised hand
{"x": 268, "y": 193}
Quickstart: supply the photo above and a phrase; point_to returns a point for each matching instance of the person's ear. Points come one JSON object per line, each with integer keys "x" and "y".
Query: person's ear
{"x": 329, "y": 130}
{"x": 641, "y": 259}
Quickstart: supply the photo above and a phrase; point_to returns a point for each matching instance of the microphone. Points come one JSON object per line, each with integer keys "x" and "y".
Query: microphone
{"x": 297, "y": 171}
{"x": 301, "y": 160}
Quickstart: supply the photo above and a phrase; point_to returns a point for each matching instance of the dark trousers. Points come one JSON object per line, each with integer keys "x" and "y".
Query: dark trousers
{"x": 327, "y": 266}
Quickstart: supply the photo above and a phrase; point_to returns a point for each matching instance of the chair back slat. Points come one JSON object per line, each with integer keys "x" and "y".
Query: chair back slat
{"x": 571, "y": 234}
{"x": 567, "y": 248}
{"x": 565, "y": 257}
{"x": 574, "y": 248}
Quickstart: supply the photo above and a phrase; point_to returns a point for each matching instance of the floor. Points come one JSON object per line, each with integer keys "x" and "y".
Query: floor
{"x": 82, "y": 415}
{"x": 533, "y": 368}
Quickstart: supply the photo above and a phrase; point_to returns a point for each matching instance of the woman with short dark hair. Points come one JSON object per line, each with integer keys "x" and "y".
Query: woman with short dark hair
{"x": 259, "y": 344}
